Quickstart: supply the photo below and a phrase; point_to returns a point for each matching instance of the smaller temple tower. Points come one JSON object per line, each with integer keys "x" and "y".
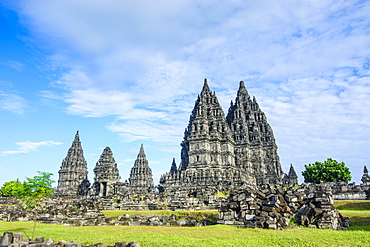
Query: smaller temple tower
{"x": 73, "y": 170}
{"x": 291, "y": 178}
{"x": 106, "y": 174}
{"x": 173, "y": 167}
{"x": 141, "y": 177}
{"x": 365, "y": 177}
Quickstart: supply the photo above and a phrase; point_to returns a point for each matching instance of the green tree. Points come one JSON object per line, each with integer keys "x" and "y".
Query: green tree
{"x": 14, "y": 189}
{"x": 329, "y": 171}
{"x": 30, "y": 192}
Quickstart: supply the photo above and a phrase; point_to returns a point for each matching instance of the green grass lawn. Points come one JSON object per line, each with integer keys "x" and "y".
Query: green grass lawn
{"x": 200, "y": 214}
{"x": 217, "y": 235}
{"x": 357, "y": 210}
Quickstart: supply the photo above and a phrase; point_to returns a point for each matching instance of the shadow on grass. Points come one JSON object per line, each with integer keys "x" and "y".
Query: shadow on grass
{"x": 348, "y": 205}
{"x": 360, "y": 223}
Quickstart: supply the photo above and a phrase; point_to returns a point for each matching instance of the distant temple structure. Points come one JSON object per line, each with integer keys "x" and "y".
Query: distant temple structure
{"x": 291, "y": 178}
{"x": 106, "y": 174}
{"x": 218, "y": 153}
{"x": 73, "y": 170}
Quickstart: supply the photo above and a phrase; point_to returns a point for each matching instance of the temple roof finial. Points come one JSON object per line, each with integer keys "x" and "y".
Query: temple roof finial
{"x": 241, "y": 84}
{"x": 205, "y": 86}
{"x": 141, "y": 149}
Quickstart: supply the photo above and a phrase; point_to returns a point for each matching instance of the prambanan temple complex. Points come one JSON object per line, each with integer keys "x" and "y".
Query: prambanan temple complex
{"x": 228, "y": 162}
{"x": 218, "y": 153}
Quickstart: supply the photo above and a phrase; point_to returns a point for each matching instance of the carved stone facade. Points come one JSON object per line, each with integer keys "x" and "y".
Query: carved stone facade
{"x": 73, "y": 170}
{"x": 106, "y": 174}
{"x": 224, "y": 153}
{"x": 141, "y": 177}
{"x": 255, "y": 146}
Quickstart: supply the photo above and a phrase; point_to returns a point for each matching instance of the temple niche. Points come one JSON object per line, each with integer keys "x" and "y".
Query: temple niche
{"x": 73, "y": 171}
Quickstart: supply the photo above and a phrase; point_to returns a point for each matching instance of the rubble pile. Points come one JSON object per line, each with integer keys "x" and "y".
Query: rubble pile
{"x": 279, "y": 209}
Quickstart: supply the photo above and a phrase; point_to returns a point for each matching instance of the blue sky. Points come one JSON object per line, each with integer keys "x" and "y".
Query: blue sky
{"x": 125, "y": 73}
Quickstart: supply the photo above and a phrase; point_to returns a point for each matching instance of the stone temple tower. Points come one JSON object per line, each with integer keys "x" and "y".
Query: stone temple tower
{"x": 73, "y": 170}
{"x": 255, "y": 146}
{"x": 207, "y": 154}
{"x": 141, "y": 177}
{"x": 106, "y": 174}
{"x": 291, "y": 178}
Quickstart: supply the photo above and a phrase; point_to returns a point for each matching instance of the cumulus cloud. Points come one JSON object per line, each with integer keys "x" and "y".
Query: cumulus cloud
{"x": 143, "y": 63}
{"x": 26, "y": 147}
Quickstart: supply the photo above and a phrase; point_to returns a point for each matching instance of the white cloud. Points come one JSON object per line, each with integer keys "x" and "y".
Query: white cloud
{"x": 12, "y": 102}
{"x": 132, "y": 130}
{"x": 13, "y": 64}
{"x": 307, "y": 62}
{"x": 95, "y": 103}
{"x": 26, "y": 147}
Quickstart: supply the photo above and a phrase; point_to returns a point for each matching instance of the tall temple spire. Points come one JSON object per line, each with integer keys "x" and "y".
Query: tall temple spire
{"x": 207, "y": 153}
{"x": 255, "y": 147}
{"x": 173, "y": 166}
{"x": 73, "y": 170}
{"x": 141, "y": 177}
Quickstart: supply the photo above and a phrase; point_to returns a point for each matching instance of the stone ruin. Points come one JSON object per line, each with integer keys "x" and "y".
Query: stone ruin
{"x": 218, "y": 153}
{"x": 271, "y": 208}
{"x": 10, "y": 239}
{"x": 279, "y": 209}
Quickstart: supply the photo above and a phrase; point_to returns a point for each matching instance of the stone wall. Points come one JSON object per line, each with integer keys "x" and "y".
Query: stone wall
{"x": 56, "y": 210}
{"x": 278, "y": 209}
{"x": 10, "y": 239}
{"x": 308, "y": 205}
{"x": 350, "y": 191}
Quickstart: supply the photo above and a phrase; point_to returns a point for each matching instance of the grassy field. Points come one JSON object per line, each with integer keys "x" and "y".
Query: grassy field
{"x": 358, "y": 211}
{"x": 200, "y": 214}
{"x": 218, "y": 235}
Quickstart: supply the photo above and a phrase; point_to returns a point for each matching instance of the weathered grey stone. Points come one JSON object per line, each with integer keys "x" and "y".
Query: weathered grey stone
{"x": 48, "y": 241}
{"x": 17, "y": 238}
{"x": 120, "y": 244}
{"x": 7, "y": 238}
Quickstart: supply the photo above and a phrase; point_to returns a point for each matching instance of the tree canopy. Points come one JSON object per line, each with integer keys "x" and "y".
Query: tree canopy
{"x": 30, "y": 192}
{"x": 33, "y": 189}
{"x": 327, "y": 171}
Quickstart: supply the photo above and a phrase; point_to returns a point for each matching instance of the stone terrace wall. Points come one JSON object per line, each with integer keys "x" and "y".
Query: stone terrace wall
{"x": 57, "y": 211}
{"x": 10, "y": 239}
{"x": 277, "y": 209}
{"x": 350, "y": 191}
